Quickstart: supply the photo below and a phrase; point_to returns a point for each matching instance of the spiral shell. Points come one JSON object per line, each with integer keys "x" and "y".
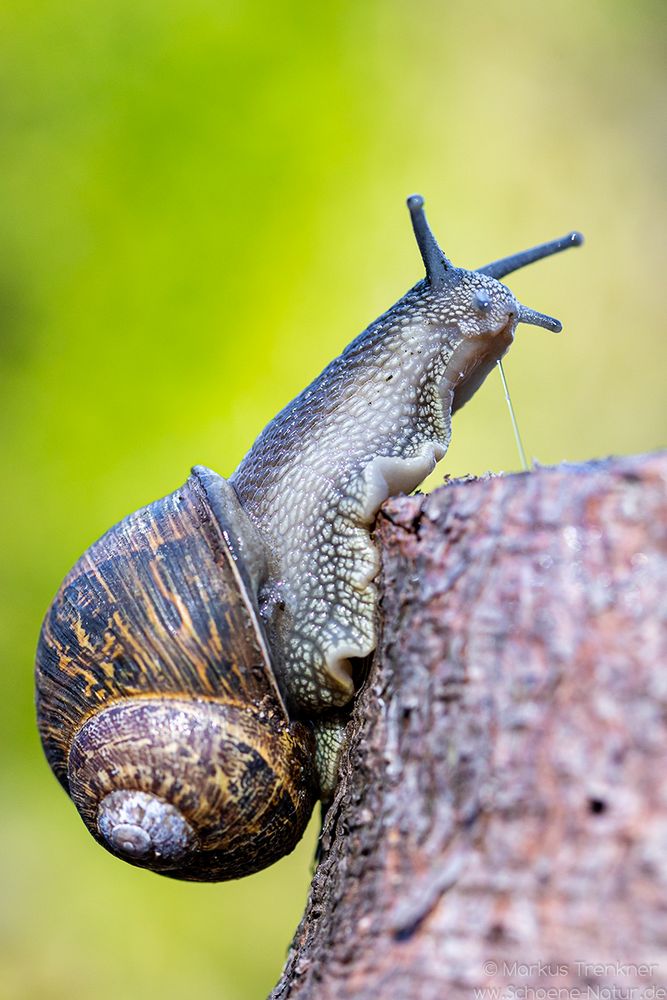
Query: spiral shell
{"x": 157, "y": 706}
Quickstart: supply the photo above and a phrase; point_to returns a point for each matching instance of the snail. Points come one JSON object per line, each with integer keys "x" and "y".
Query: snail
{"x": 191, "y": 665}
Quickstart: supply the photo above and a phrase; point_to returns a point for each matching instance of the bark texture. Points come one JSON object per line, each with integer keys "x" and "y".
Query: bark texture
{"x": 501, "y": 819}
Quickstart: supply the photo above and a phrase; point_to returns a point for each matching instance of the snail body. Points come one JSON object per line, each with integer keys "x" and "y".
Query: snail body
{"x": 186, "y": 666}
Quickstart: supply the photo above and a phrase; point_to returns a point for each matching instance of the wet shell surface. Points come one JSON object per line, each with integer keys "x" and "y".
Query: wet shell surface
{"x": 157, "y": 706}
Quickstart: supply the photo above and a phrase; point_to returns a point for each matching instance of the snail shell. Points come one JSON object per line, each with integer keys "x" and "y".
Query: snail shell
{"x": 157, "y": 706}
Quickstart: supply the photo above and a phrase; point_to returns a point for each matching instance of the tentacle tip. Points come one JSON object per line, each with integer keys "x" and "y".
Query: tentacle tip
{"x": 435, "y": 262}
{"x": 576, "y": 238}
{"x": 534, "y": 318}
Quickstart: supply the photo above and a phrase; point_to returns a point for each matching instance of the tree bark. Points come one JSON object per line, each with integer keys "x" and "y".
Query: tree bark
{"x": 501, "y": 816}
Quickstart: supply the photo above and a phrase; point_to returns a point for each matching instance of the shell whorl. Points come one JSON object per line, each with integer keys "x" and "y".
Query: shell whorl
{"x": 196, "y": 790}
{"x": 158, "y": 606}
{"x": 144, "y": 827}
{"x": 157, "y": 705}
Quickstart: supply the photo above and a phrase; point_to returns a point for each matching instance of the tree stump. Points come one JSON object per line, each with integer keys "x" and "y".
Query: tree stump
{"x": 501, "y": 818}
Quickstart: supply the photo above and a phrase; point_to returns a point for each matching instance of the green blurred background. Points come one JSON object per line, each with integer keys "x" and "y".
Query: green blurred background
{"x": 200, "y": 204}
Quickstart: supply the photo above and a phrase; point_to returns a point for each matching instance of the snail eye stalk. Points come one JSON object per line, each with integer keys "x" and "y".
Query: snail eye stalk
{"x": 436, "y": 263}
{"x": 506, "y": 265}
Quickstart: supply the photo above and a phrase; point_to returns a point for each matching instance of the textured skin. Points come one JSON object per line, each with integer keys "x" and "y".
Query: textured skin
{"x": 152, "y": 675}
{"x": 372, "y": 424}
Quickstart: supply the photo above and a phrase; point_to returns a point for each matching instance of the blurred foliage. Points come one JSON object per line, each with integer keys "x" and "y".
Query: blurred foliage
{"x": 201, "y": 202}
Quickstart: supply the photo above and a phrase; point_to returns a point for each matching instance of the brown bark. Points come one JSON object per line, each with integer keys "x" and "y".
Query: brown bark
{"x": 503, "y": 795}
